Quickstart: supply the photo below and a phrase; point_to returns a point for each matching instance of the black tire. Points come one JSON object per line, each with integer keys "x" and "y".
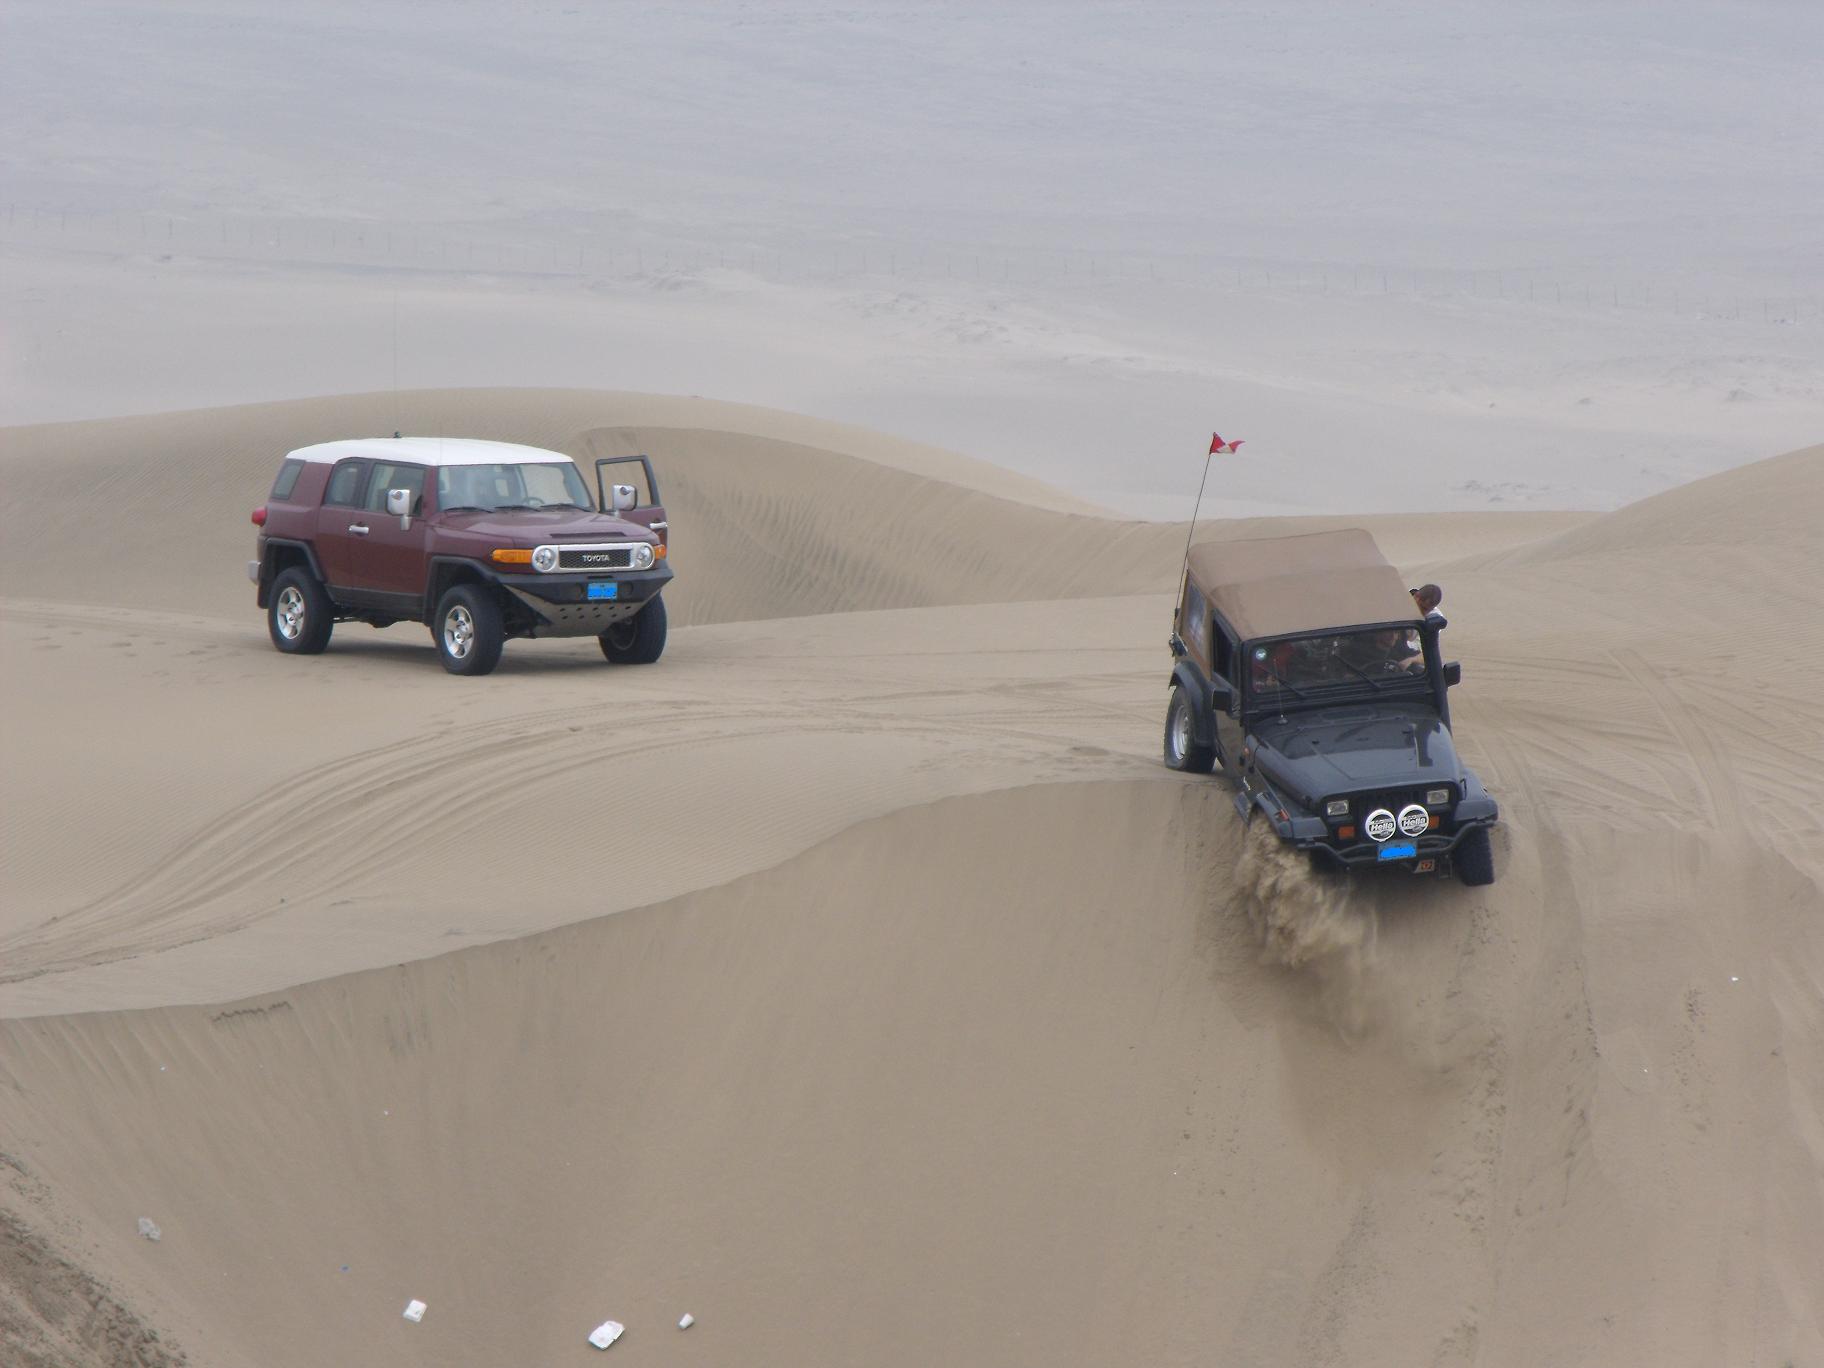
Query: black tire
{"x": 299, "y": 615}
{"x": 1475, "y": 859}
{"x": 468, "y": 630}
{"x": 1182, "y": 749}
{"x": 638, "y": 640}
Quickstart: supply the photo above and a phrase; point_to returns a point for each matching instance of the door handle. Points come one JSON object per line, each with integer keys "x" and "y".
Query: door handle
{"x": 359, "y": 529}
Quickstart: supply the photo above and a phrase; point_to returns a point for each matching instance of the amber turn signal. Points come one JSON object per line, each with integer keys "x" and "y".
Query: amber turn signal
{"x": 658, "y": 552}
{"x": 508, "y": 556}
{"x": 1345, "y": 833}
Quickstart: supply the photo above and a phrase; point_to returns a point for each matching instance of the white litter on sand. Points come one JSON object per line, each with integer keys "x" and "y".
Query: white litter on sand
{"x": 414, "y": 1310}
{"x": 149, "y": 1229}
{"x": 605, "y": 1334}
{"x": 686, "y": 1320}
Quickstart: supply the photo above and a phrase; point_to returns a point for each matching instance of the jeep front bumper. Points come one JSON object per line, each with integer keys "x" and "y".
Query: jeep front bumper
{"x": 1306, "y": 832}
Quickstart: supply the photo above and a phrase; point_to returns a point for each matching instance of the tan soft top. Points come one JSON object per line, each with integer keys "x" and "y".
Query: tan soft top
{"x": 1279, "y": 585}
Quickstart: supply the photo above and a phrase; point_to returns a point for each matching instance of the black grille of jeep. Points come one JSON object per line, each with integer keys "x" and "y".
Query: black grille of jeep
{"x": 610, "y": 558}
{"x": 1393, "y": 800}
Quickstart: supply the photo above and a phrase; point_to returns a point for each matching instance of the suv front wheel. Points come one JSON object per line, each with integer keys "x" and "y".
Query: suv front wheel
{"x": 638, "y": 640}
{"x": 468, "y": 630}
{"x": 299, "y": 614}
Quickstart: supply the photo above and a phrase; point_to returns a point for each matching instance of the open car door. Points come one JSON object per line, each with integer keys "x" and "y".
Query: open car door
{"x": 646, "y": 510}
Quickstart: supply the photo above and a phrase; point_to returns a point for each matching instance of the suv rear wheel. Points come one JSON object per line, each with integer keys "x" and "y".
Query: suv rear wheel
{"x": 1182, "y": 751}
{"x": 468, "y": 630}
{"x": 299, "y": 614}
{"x": 638, "y": 640}
{"x": 1475, "y": 859}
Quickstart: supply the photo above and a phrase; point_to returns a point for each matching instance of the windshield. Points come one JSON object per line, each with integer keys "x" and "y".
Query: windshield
{"x": 558, "y": 484}
{"x": 1336, "y": 662}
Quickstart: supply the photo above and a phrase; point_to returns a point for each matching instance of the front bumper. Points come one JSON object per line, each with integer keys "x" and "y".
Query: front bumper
{"x": 1433, "y": 845}
{"x": 1306, "y": 832}
{"x": 559, "y": 605}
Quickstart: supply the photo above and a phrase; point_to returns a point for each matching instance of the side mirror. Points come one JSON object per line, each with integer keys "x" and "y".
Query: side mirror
{"x": 1453, "y": 673}
{"x": 625, "y": 497}
{"x": 1222, "y": 699}
{"x": 399, "y": 504}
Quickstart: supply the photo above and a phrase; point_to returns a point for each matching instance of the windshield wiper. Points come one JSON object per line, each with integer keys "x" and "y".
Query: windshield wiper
{"x": 464, "y": 508}
{"x": 1360, "y": 674}
{"x": 1282, "y": 682}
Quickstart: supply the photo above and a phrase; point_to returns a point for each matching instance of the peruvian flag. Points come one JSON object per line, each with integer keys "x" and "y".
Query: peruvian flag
{"x": 1217, "y": 444}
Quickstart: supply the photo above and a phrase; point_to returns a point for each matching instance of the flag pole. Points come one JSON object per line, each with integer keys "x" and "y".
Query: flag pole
{"x": 1216, "y": 445}
{"x": 1191, "y": 531}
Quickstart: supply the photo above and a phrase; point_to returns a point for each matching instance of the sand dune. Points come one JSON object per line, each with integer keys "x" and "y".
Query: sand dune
{"x": 774, "y": 515}
{"x": 938, "y": 1022}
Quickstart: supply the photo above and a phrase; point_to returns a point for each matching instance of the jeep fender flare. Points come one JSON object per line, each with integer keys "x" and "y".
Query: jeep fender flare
{"x": 1185, "y": 676}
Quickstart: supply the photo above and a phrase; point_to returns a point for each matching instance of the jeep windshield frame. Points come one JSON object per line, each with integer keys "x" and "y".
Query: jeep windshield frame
{"x": 512, "y": 486}
{"x": 1342, "y": 665}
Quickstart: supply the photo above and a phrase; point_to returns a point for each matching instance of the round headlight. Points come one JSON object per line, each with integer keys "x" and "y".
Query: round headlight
{"x": 642, "y": 557}
{"x": 545, "y": 559}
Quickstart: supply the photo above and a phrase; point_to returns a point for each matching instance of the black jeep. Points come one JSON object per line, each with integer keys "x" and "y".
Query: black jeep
{"x": 1305, "y": 668}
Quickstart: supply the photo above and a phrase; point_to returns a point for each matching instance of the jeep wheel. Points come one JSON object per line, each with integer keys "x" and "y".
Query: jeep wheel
{"x": 1182, "y": 750}
{"x": 299, "y": 614}
{"x": 468, "y": 630}
{"x": 638, "y": 640}
{"x": 1475, "y": 859}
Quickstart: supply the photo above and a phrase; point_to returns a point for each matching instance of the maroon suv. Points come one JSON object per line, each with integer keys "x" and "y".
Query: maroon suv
{"x": 480, "y": 541}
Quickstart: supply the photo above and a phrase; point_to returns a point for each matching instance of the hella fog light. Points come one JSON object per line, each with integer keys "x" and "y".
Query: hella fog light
{"x": 1437, "y": 797}
{"x": 642, "y": 558}
{"x": 545, "y": 558}
{"x": 1337, "y": 807}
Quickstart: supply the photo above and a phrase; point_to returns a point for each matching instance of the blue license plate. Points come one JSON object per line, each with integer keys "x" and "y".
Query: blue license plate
{"x": 1398, "y": 850}
{"x": 601, "y": 591}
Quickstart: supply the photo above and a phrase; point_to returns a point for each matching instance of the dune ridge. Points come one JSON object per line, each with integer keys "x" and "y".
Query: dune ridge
{"x": 783, "y": 517}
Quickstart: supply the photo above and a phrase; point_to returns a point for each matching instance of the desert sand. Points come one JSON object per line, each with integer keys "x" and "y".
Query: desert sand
{"x": 857, "y": 979}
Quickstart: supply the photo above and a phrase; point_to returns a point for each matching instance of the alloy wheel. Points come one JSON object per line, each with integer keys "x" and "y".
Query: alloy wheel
{"x": 290, "y": 614}
{"x": 458, "y": 632}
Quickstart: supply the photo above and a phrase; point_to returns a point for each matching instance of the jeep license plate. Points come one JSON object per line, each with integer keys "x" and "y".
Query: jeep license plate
{"x": 1398, "y": 850}
{"x": 603, "y": 591}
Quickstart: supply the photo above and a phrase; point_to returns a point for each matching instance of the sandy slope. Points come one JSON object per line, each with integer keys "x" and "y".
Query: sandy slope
{"x": 938, "y": 1025}
{"x": 775, "y": 515}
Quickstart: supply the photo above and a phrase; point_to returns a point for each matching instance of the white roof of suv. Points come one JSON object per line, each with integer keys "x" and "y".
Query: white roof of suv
{"x": 430, "y": 451}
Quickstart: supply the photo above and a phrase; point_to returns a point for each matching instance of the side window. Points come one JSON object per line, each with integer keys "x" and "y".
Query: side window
{"x": 287, "y": 481}
{"x": 1225, "y": 654}
{"x": 345, "y": 484}
{"x": 1196, "y": 622}
{"x": 388, "y": 476}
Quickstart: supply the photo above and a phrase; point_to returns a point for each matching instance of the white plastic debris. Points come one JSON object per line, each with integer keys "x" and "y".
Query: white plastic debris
{"x": 686, "y": 1320}
{"x": 149, "y": 1229}
{"x": 606, "y": 1334}
{"x": 1733, "y": 978}
{"x": 414, "y": 1310}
